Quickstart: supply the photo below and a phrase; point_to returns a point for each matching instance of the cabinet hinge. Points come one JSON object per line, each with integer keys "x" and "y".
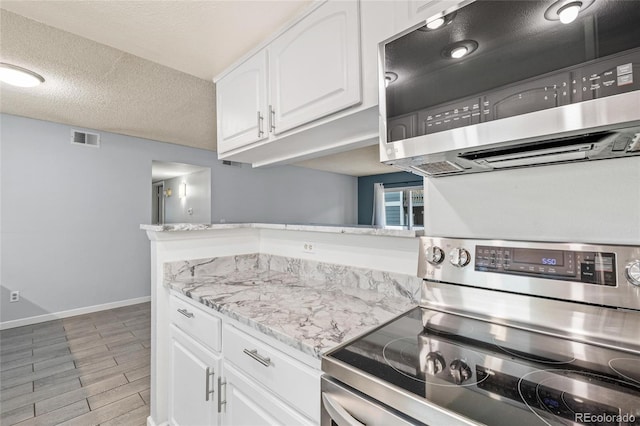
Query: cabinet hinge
{"x": 222, "y": 400}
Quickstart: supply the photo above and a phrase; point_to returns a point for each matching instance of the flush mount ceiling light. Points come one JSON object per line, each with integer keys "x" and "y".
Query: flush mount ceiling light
{"x": 389, "y": 77}
{"x": 17, "y": 76}
{"x": 460, "y": 49}
{"x": 438, "y": 23}
{"x": 566, "y": 11}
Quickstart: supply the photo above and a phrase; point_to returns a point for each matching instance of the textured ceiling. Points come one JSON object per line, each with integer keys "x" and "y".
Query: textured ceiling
{"x": 200, "y": 38}
{"x": 98, "y": 87}
{"x": 142, "y": 68}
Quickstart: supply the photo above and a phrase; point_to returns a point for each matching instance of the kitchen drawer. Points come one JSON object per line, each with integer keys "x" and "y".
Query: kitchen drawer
{"x": 292, "y": 381}
{"x": 196, "y": 322}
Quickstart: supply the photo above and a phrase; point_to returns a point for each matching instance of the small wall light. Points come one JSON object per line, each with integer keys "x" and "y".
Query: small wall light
{"x": 182, "y": 190}
{"x": 167, "y": 192}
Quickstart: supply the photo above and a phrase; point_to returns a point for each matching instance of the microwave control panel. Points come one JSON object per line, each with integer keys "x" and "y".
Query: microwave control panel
{"x": 595, "y": 80}
{"x": 582, "y": 266}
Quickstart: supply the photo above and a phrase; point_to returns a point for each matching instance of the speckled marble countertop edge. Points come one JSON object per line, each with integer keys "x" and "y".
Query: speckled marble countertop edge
{"x": 334, "y": 229}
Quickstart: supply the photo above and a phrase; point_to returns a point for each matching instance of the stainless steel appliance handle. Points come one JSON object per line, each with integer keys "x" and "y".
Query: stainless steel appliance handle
{"x": 338, "y": 414}
{"x": 185, "y": 313}
{"x": 253, "y": 353}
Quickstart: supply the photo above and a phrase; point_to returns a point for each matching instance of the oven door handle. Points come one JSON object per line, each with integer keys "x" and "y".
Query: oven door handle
{"x": 337, "y": 413}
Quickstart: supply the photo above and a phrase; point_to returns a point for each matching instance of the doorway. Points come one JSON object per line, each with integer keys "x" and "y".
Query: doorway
{"x": 158, "y": 203}
{"x": 180, "y": 193}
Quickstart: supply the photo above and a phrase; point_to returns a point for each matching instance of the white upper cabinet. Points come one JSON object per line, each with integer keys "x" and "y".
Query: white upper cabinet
{"x": 313, "y": 87}
{"x": 242, "y": 105}
{"x": 314, "y": 67}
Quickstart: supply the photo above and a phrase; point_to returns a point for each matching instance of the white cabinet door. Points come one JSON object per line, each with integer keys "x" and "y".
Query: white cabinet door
{"x": 314, "y": 67}
{"x": 193, "y": 375}
{"x": 242, "y": 104}
{"x": 249, "y": 404}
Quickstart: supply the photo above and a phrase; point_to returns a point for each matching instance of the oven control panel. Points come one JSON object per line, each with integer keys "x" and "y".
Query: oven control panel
{"x": 599, "y": 274}
{"x": 582, "y": 266}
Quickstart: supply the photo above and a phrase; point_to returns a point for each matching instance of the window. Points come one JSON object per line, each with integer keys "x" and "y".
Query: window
{"x": 404, "y": 207}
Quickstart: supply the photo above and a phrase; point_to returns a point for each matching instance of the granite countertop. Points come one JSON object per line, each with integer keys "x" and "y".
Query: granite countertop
{"x": 312, "y": 316}
{"x": 335, "y": 229}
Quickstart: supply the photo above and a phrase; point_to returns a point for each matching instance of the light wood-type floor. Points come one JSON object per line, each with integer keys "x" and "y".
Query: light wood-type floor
{"x": 86, "y": 370}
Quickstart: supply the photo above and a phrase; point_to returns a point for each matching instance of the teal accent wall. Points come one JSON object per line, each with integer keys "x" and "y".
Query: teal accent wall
{"x": 390, "y": 180}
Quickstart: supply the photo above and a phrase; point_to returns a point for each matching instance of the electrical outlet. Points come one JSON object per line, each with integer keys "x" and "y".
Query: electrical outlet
{"x": 308, "y": 248}
{"x": 15, "y": 296}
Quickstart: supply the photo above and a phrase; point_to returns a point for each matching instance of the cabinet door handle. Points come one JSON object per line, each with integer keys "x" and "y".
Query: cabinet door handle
{"x": 260, "y": 121}
{"x": 253, "y": 353}
{"x": 272, "y": 119}
{"x": 208, "y": 390}
{"x": 221, "y": 401}
{"x": 185, "y": 313}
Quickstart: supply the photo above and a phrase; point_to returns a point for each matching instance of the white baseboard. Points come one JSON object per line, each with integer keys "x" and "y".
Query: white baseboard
{"x": 150, "y": 422}
{"x": 71, "y": 313}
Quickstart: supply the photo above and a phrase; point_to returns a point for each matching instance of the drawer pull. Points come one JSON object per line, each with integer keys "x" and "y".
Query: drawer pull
{"x": 208, "y": 390}
{"x": 185, "y": 313}
{"x": 266, "y": 361}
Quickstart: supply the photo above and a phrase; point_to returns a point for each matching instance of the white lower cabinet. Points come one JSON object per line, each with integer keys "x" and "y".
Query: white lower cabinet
{"x": 220, "y": 374}
{"x": 249, "y": 404}
{"x": 193, "y": 376}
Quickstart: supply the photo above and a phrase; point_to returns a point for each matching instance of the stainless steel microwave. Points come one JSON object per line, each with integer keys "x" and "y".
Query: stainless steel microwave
{"x": 492, "y": 85}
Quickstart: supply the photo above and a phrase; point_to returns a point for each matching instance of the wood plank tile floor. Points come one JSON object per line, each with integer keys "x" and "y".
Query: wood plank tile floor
{"x": 90, "y": 369}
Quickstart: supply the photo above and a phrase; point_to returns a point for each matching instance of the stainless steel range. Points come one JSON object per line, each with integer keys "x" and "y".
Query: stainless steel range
{"x": 507, "y": 333}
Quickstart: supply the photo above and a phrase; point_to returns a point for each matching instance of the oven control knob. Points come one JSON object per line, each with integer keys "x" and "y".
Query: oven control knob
{"x": 459, "y": 257}
{"x": 435, "y": 363}
{"x": 435, "y": 255}
{"x": 633, "y": 272}
{"x": 460, "y": 371}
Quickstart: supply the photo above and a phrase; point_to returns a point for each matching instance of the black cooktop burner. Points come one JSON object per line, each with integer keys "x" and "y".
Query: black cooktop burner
{"x": 560, "y": 359}
{"x": 628, "y": 368}
{"x": 495, "y": 374}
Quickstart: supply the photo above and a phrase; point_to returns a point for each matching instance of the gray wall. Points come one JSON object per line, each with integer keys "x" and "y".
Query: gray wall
{"x": 198, "y": 198}
{"x": 70, "y": 215}
{"x": 598, "y": 202}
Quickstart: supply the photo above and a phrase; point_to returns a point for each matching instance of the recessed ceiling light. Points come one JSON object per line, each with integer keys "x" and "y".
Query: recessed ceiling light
{"x": 389, "y": 77}
{"x": 566, "y": 11}
{"x": 435, "y": 24}
{"x": 569, "y": 12}
{"x": 460, "y": 49}
{"x": 17, "y": 76}
{"x": 438, "y": 22}
{"x": 459, "y": 52}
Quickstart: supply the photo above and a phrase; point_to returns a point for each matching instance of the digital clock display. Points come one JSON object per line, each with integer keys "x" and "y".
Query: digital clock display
{"x": 539, "y": 257}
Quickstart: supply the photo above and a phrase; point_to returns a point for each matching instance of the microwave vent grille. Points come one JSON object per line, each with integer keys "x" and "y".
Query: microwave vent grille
{"x": 437, "y": 168}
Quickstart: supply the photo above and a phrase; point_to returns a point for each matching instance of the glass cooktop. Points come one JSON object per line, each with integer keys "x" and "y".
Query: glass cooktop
{"x": 493, "y": 374}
